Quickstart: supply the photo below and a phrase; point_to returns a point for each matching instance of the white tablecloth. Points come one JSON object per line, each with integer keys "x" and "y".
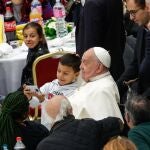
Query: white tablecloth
{"x": 10, "y": 72}
{"x": 11, "y": 66}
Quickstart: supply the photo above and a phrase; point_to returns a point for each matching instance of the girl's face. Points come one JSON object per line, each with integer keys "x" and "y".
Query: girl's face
{"x": 31, "y": 37}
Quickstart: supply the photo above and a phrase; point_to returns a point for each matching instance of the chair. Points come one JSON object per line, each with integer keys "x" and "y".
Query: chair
{"x": 44, "y": 70}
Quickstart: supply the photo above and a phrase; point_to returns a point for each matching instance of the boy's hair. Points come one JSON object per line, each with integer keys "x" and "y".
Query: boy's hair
{"x": 71, "y": 60}
{"x": 39, "y": 30}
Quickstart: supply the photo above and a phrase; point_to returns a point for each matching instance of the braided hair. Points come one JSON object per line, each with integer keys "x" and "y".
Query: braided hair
{"x": 14, "y": 109}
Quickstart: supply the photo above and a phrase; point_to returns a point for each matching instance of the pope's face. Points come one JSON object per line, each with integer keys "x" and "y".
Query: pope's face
{"x": 89, "y": 65}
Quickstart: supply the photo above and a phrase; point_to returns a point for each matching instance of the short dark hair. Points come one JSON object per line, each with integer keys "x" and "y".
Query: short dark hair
{"x": 140, "y": 3}
{"x": 71, "y": 60}
{"x": 138, "y": 108}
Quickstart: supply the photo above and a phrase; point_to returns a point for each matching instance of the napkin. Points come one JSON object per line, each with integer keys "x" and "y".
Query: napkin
{"x": 5, "y": 49}
{"x": 2, "y": 32}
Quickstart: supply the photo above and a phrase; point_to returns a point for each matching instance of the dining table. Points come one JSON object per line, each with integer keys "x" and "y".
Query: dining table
{"x": 12, "y": 64}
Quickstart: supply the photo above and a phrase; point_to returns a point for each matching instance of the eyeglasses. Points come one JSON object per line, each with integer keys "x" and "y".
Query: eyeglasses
{"x": 133, "y": 12}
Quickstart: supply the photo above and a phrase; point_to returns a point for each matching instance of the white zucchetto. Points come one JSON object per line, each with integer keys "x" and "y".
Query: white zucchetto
{"x": 103, "y": 56}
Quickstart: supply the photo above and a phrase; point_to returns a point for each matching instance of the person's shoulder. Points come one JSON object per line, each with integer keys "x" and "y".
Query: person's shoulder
{"x": 72, "y": 85}
{"x": 87, "y": 121}
{"x": 94, "y": 3}
{"x": 145, "y": 126}
{"x": 36, "y": 126}
{"x": 107, "y": 80}
{"x": 44, "y": 144}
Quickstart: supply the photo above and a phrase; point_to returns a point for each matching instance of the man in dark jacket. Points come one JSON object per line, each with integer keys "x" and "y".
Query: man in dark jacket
{"x": 72, "y": 134}
{"x": 101, "y": 25}
{"x": 139, "y": 68}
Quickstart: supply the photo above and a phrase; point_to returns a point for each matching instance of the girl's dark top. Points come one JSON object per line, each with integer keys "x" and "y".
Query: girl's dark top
{"x": 27, "y": 77}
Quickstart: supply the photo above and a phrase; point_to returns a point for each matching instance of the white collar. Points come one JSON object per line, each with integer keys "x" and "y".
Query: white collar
{"x": 99, "y": 76}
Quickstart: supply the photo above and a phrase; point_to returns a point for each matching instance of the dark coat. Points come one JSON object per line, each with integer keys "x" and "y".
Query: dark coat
{"x": 85, "y": 134}
{"x": 32, "y": 133}
{"x": 140, "y": 66}
{"x": 101, "y": 24}
{"x": 32, "y": 55}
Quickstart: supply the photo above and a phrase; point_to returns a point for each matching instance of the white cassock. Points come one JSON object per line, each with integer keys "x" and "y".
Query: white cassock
{"x": 96, "y": 99}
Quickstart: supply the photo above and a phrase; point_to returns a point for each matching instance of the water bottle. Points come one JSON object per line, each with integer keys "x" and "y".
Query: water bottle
{"x": 59, "y": 14}
{"x": 5, "y": 147}
{"x": 8, "y": 3}
{"x": 9, "y": 25}
{"x": 19, "y": 144}
{"x": 36, "y": 12}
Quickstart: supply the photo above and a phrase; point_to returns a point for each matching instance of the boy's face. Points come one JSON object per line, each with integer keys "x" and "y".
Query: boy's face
{"x": 31, "y": 37}
{"x": 66, "y": 74}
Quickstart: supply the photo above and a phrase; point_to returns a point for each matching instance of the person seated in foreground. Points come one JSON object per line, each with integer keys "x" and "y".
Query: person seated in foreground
{"x": 65, "y": 84}
{"x": 119, "y": 143}
{"x": 98, "y": 96}
{"x": 13, "y": 115}
{"x": 137, "y": 115}
{"x": 72, "y": 134}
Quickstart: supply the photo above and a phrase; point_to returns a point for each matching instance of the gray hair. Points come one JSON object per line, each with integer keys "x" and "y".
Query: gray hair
{"x": 138, "y": 108}
{"x": 65, "y": 106}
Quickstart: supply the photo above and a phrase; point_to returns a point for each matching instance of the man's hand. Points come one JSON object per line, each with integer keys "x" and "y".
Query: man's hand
{"x": 128, "y": 83}
{"x": 27, "y": 92}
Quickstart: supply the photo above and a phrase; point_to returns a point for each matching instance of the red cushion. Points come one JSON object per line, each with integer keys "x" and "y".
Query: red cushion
{"x": 46, "y": 70}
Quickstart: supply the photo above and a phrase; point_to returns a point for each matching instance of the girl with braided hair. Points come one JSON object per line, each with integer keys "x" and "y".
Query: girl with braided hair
{"x": 13, "y": 123}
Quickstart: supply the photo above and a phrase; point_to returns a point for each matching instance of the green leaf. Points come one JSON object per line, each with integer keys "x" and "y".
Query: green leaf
{"x": 50, "y": 32}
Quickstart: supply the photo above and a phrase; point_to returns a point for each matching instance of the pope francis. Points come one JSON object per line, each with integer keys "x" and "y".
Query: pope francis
{"x": 98, "y": 96}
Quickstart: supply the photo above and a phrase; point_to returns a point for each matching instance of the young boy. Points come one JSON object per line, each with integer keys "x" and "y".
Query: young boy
{"x": 65, "y": 84}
